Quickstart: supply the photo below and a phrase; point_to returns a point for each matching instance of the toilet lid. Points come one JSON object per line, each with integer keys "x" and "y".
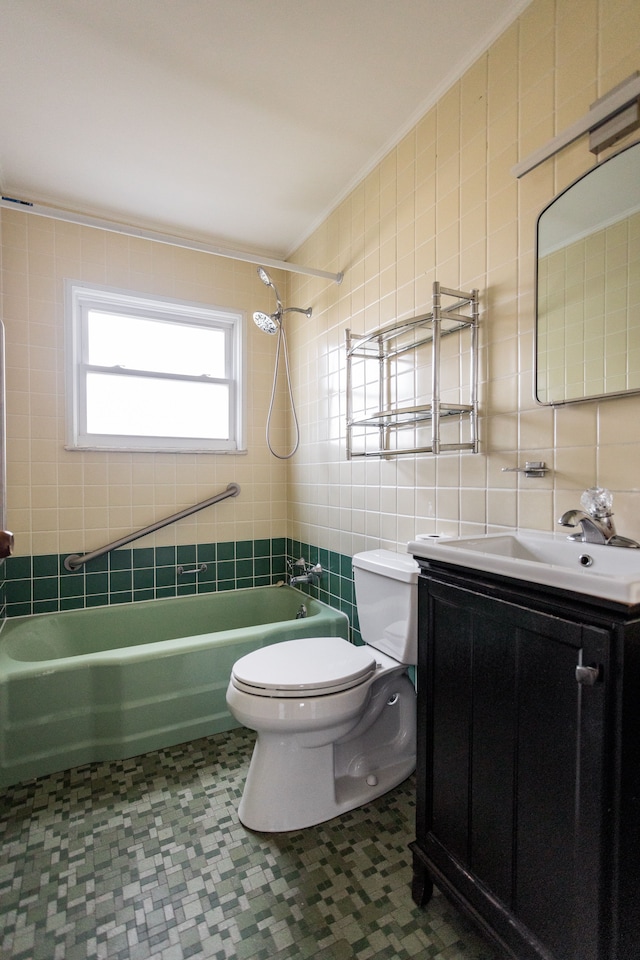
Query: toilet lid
{"x": 312, "y": 666}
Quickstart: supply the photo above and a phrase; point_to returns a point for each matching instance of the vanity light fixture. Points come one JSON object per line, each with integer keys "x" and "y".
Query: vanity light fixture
{"x": 609, "y": 118}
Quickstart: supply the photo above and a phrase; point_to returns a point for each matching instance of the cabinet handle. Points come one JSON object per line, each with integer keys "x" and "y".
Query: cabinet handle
{"x": 587, "y": 675}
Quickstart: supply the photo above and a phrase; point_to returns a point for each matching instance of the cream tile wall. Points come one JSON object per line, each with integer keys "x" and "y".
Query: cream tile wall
{"x": 444, "y": 205}
{"x": 441, "y": 205}
{"x": 60, "y": 501}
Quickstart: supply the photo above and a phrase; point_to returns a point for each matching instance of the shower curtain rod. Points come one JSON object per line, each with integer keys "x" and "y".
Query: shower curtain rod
{"x": 53, "y": 213}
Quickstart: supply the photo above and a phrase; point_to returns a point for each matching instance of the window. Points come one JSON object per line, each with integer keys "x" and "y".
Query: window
{"x": 151, "y": 374}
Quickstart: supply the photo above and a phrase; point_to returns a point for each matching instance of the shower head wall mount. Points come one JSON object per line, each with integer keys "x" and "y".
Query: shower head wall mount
{"x": 270, "y": 322}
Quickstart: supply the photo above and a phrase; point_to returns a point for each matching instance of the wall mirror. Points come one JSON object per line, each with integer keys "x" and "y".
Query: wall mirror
{"x": 588, "y": 286}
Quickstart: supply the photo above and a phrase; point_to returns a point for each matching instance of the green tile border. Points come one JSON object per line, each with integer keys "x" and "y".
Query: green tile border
{"x": 41, "y": 584}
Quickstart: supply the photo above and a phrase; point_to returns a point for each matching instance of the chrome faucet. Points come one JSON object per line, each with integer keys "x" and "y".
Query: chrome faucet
{"x": 311, "y": 574}
{"x": 593, "y": 529}
{"x": 596, "y": 520}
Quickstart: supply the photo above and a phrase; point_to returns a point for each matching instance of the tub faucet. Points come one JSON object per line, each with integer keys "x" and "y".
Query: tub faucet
{"x": 596, "y": 520}
{"x": 311, "y": 574}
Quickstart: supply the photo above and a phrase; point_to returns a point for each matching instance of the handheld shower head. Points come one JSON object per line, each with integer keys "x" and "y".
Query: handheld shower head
{"x": 271, "y": 323}
{"x": 268, "y": 282}
{"x": 266, "y": 322}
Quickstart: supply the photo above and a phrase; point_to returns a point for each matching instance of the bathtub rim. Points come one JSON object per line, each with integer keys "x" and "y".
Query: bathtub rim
{"x": 10, "y": 664}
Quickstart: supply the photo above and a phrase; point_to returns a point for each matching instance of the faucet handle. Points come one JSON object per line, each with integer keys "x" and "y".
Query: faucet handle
{"x": 597, "y": 502}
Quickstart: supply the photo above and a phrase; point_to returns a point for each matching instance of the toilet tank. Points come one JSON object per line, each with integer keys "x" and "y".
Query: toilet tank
{"x": 386, "y": 586}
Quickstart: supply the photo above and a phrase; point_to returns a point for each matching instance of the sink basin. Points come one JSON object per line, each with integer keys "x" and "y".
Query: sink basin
{"x": 611, "y": 573}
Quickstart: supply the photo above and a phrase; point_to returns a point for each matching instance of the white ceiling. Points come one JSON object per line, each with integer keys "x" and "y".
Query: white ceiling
{"x": 241, "y": 122}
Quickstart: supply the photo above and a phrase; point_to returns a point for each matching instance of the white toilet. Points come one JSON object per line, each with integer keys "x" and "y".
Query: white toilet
{"x": 336, "y": 723}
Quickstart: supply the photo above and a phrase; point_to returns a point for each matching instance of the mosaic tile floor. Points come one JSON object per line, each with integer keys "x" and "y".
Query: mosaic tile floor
{"x": 145, "y": 858}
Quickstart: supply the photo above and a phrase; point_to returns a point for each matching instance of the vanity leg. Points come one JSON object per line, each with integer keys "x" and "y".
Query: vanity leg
{"x": 422, "y": 884}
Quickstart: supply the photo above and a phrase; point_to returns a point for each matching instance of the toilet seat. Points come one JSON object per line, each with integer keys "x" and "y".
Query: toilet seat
{"x": 310, "y": 666}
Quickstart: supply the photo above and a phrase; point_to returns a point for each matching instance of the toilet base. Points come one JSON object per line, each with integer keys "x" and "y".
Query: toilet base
{"x": 291, "y": 785}
{"x": 273, "y": 815}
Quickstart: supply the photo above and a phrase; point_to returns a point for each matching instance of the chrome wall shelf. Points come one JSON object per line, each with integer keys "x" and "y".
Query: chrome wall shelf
{"x": 378, "y": 425}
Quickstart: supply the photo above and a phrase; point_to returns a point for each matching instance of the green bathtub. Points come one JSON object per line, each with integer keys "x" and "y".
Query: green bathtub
{"x": 113, "y": 682}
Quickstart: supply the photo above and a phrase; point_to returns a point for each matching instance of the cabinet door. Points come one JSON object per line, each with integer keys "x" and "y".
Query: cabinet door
{"x": 512, "y": 799}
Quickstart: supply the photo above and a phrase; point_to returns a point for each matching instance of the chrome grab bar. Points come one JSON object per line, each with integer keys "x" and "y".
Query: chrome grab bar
{"x": 74, "y": 561}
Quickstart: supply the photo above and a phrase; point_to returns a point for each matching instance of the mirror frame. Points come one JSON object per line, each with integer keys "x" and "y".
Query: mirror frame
{"x": 536, "y": 359}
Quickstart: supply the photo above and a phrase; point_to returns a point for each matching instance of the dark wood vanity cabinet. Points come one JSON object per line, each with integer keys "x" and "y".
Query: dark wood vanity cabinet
{"x": 528, "y": 773}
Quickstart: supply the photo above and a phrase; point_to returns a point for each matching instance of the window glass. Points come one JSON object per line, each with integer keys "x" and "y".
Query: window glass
{"x": 146, "y": 344}
{"x": 151, "y": 374}
{"x": 114, "y": 406}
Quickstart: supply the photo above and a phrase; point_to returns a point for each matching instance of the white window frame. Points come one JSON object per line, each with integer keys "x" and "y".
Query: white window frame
{"x": 80, "y": 298}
